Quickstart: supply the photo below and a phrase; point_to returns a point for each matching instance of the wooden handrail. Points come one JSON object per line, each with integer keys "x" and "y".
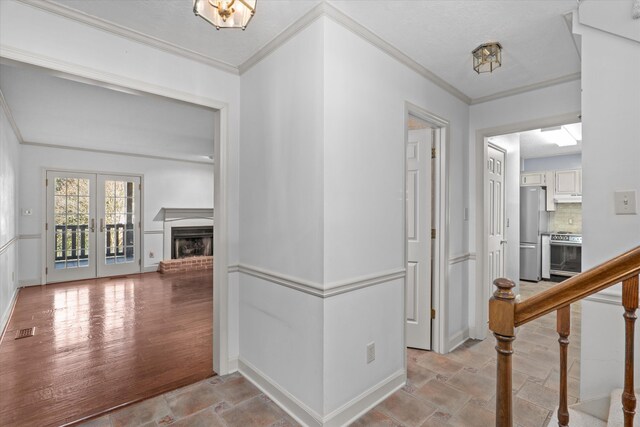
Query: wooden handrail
{"x": 578, "y": 287}
{"x": 505, "y": 314}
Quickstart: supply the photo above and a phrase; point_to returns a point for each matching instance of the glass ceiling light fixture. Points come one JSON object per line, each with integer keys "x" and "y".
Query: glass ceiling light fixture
{"x": 487, "y": 57}
{"x": 225, "y": 13}
{"x": 559, "y": 135}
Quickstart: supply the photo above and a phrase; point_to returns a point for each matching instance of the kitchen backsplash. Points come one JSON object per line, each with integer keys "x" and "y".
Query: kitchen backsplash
{"x": 563, "y": 215}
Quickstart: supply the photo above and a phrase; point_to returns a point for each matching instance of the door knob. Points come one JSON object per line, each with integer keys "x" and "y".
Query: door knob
{"x": 502, "y": 242}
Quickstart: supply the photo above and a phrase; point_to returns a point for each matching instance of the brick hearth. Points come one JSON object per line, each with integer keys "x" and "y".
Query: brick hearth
{"x": 186, "y": 264}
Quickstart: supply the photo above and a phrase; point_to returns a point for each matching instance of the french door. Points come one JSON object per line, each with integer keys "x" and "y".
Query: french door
{"x": 93, "y": 225}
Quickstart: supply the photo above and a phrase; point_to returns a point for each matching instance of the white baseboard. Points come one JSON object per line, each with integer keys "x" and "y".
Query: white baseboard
{"x": 4, "y": 321}
{"x": 29, "y": 282}
{"x": 342, "y": 416}
{"x": 457, "y": 340}
{"x": 150, "y": 268}
{"x": 232, "y": 364}
{"x": 298, "y": 410}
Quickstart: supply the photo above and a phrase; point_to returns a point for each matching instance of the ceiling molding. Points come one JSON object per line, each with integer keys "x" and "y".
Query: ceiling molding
{"x": 12, "y": 121}
{"x": 577, "y": 43}
{"x": 359, "y": 29}
{"x": 527, "y": 88}
{"x": 288, "y": 33}
{"x": 128, "y": 33}
{"x": 113, "y": 152}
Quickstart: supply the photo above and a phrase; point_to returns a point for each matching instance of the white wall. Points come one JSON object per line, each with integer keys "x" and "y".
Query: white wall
{"x": 66, "y": 44}
{"x": 167, "y": 183}
{"x": 281, "y": 215}
{"x": 610, "y": 158}
{"x": 9, "y": 158}
{"x": 524, "y": 111}
{"x": 568, "y": 161}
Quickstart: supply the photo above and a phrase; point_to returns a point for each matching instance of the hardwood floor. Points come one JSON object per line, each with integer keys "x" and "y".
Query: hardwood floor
{"x": 103, "y": 343}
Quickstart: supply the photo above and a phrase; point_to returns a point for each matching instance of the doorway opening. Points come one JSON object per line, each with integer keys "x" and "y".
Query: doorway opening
{"x": 426, "y": 213}
{"x": 519, "y": 211}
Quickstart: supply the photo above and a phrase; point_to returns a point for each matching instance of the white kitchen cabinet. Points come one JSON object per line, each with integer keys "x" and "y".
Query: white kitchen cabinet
{"x": 568, "y": 182}
{"x": 532, "y": 178}
{"x": 551, "y": 204}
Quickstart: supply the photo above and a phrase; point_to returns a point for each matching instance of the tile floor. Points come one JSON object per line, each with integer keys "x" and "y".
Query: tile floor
{"x": 457, "y": 389}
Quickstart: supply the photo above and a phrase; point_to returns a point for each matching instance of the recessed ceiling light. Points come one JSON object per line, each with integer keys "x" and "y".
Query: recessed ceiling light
{"x": 558, "y": 135}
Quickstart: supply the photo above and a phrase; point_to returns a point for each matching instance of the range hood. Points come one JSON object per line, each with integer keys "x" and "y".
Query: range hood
{"x": 567, "y": 198}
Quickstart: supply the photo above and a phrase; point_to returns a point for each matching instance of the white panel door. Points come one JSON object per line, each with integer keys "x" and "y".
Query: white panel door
{"x": 70, "y": 226}
{"x": 495, "y": 217}
{"x": 118, "y": 231}
{"x": 418, "y": 283}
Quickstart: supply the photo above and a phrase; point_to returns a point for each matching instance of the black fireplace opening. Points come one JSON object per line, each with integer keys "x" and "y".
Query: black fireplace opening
{"x": 191, "y": 241}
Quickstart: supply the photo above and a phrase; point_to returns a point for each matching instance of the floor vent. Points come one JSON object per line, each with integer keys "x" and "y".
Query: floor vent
{"x": 26, "y": 333}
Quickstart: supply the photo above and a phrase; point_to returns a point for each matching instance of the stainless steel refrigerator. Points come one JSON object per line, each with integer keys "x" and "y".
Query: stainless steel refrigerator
{"x": 534, "y": 220}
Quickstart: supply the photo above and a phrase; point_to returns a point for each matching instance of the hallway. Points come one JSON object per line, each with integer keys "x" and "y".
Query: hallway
{"x": 456, "y": 389}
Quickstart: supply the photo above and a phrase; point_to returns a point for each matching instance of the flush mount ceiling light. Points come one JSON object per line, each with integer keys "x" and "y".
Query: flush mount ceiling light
{"x": 225, "y": 13}
{"x": 487, "y": 57}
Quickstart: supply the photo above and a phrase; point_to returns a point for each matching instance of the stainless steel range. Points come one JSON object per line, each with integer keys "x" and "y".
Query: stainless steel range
{"x": 565, "y": 254}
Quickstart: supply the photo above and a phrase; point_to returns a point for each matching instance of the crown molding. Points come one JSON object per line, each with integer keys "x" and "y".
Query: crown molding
{"x": 12, "y": 121}
{"x": 128, "y": 33}
{"x": 527, "y": 88}
{"x": 359, "y": 29}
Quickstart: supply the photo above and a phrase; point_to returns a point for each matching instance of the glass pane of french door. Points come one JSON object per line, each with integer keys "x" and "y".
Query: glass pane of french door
{"x": 70, "y": 234}
{"x": 119, "y": 233}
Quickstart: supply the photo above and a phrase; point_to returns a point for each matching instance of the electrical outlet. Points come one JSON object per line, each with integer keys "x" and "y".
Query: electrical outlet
{"x": 570, "y": 221}
{"x": 371, "y": 352}
{"x": 151, "y": 254}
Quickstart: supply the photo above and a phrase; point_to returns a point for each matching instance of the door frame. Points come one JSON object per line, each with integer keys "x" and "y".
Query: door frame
{"x": 220, "y": 110}
{"x": 479, "y": 295}
{"x": 45, "y": 239}
{"x": 440, "y": 271}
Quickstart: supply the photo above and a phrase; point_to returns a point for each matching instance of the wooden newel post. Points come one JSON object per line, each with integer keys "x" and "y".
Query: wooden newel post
{"x": 630, "y": 303}
{"x": 501, "y": 322}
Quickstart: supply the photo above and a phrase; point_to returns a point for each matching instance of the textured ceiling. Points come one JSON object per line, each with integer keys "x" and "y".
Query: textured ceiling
{"x": 54, "y": 111}
{"x": 439, "y": 35}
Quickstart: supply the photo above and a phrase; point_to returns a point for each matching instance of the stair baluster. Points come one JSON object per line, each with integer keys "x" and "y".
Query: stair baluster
{"x": 563, "y": 326}
{"x": 630, "y": 303}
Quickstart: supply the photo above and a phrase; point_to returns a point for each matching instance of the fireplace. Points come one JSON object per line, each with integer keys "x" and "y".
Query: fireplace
{"x": 189, "y": 242}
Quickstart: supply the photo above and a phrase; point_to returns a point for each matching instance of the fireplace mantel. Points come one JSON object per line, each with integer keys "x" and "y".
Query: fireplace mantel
{"x": 183, "y": 217}
{"x": 176, "y": 214}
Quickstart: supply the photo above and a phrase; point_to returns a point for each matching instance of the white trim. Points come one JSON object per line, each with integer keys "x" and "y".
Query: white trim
{"x": 9, "y": 115}
{"x": 285, "y": 400}
{"x": 458, "y": 339}
{"x": 112, "y": 152}
{"x": 6, "y": 316}
{"x": 130, "y": 34}
{"x": 440, "y": 276}
{"x": 233, "y": 365}
{"x": 24, "y": 283}
{"x": 368, "y": 35}
{"x": 30, "y": 236}
{"x": 605, "y": 298}
{"x": 6, "y": 246}
{"x": 221, "y": 142}
{"x": 526, "y": 88}
{"x": 151, "y": 268}
{"x": 286, "y": 35}
{"x": 306, "y": 416}
{"x": 318, "y": 289}
{"x": 462, "y": 258}
{"x": 153, "y": 232}
{"x": 478, "y": 328}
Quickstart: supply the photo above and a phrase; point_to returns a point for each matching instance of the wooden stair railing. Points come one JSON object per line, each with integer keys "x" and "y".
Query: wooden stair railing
{"x": 506, "y": 314}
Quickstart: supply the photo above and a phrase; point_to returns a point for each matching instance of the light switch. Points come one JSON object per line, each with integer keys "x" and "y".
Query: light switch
{"x": 625, "y": 202}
